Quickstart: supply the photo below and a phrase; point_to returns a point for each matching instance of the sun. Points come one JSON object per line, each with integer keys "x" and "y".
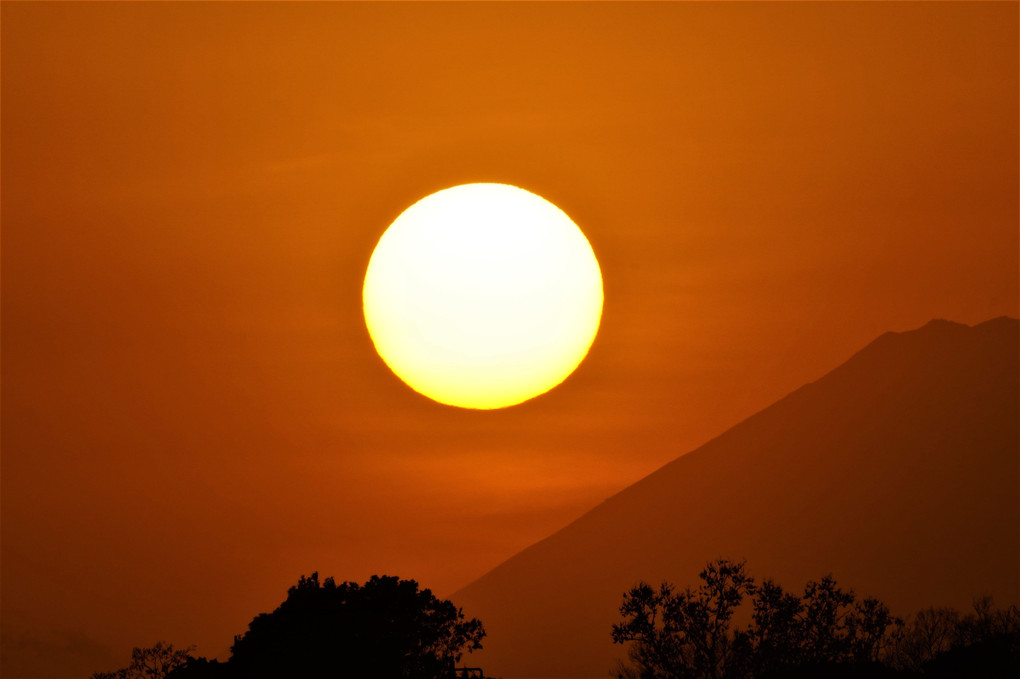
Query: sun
{"x": 483, "y": 296}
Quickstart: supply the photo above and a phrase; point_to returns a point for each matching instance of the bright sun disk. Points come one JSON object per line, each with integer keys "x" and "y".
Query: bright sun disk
{"x": 483, "y": 296}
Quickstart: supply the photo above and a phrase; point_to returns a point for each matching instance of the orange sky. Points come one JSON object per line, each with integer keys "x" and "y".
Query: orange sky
{"x": 193, "y": 413}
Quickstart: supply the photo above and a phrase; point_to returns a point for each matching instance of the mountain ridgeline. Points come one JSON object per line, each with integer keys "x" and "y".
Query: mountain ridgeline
{"x": 897, "y": 472}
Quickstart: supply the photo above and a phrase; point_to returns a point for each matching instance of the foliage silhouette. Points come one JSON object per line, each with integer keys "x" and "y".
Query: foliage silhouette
{"x": 201, "y": 668}
{"x": 826, "y": 632}
{"x": 687, "y": 634}
{"x": 384, "y": 629}
{"x": 155, "y": 662}
{"x": 939, "y": 642}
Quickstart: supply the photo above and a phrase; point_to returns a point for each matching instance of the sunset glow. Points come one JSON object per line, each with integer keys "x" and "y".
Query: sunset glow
{"x": 755, "y": 298}
{"x": 483, "y": 296}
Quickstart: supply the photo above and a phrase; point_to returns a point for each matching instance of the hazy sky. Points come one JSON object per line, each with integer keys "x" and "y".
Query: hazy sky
{"x": 193, "y": 413}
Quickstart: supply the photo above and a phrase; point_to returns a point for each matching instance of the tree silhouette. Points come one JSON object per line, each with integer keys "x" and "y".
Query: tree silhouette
{"x": 155, "y": 662}
{"x": 201, "y": 668}
{"x": 384, "y": 629}
{"x": 775, "y": 634}
{"x": 688, "y": 634}
{"x": 940, "y": 642}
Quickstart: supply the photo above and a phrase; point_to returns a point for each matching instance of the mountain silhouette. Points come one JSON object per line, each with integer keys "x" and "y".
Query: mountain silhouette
{"x": 897, "y": 472}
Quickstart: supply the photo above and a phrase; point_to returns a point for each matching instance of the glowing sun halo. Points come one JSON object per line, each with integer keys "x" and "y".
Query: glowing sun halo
{"x": 483, "y": 296}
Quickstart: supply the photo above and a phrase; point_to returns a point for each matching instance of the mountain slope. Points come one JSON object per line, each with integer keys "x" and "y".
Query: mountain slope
{"x": 897, "y": 472}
